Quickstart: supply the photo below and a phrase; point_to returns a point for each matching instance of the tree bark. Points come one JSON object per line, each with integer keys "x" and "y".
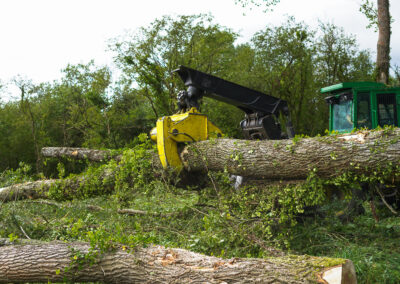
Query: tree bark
{"x": 328, "y": 156}
{"x": 40, "y": 189}
{"x": 287, "y": 160}
{"x": 61, "y": 262}
{"x": 79, "y": 153}
{"x": 383, "y": 46}
{"x": 28, "y": 190}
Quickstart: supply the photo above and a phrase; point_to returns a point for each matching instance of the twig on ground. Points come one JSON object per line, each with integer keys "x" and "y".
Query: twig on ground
{"x": 385, "y": 202}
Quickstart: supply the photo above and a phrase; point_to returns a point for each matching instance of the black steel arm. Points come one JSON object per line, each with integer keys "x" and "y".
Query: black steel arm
{"x": 261, "y": 110}
{"x": 250, "y": 101}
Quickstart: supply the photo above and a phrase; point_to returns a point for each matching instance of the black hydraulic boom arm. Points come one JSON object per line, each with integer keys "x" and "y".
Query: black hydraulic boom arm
{"x": 261, "y": 110}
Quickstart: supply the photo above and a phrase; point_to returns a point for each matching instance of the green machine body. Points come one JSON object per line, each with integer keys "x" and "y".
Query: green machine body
{"x": 356, "y": 105}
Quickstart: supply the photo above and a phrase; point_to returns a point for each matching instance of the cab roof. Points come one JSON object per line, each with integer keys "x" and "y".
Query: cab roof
{"x": 352, "y": 85}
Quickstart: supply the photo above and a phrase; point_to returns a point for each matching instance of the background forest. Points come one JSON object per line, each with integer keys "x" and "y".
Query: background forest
{"x": 92, "y": 107}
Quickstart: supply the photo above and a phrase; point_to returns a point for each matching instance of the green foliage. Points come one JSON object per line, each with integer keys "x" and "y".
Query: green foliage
{"x": 149, "y": 56}
{"x": 12, "y": 237}
{"x": 339, "y": 58}
{"x": 396, "y": 80}
{"x": 293, "y": 62}
{"x": 135, "y": 171}
{"x": 370, "y": 10}
{"x": 371, "y": 245}
{"x": 19, "y": 175}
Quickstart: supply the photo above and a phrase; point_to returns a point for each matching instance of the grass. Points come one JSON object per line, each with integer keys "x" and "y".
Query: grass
{"x": 372, "y": 246}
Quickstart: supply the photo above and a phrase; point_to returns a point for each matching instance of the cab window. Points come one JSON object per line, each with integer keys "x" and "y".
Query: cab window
{"x": 364, "y": 111}
{"x": 386, "y": 109}
{"x": 342, "y": 115}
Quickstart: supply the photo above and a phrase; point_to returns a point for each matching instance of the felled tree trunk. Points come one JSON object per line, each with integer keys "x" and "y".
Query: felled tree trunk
{"x": 292, "y": 159}
{"x": 28, "y": 190}
{"x": 60, "y": 262}
{"x": 328, "y": 156}
{"x": 79, "y": 153}
{"x": 67, "y": 187}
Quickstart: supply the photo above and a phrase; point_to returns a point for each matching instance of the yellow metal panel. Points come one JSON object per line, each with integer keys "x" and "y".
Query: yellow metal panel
{"x": 190, "y": 126}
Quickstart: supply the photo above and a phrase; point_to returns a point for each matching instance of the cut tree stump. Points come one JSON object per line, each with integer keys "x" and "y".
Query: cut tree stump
{"x": 60, "y": 262}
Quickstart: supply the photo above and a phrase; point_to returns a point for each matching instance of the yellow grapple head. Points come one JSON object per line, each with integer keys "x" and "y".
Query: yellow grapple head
{"x": 189, "y": 126}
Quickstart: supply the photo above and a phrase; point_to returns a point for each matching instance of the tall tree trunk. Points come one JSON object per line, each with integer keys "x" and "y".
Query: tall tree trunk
{"x": 61, "y": 262}
{"x": 383, "y": 46}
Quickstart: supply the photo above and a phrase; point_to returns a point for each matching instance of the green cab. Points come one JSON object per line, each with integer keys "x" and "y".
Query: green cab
{"x": 362, "y": 105}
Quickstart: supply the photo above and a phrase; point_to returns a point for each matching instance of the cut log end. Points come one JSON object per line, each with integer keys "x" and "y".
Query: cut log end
{"x": 341, "y": 274}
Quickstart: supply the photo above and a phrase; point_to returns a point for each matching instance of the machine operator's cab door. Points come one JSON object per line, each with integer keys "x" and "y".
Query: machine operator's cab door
{"x": 364, "y": 113}
{"x": 362, "y": 105}
{"x": 342, "y": 112}
{"x": 386, "y": 109}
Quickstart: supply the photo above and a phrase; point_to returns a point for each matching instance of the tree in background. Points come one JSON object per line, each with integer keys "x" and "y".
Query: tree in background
{"x": 284, "y": 59}
{"x": 293, "y": 62}
{"x": 379, "y": 18}
{"x": 339, "y": 58}
{"x": 84, "y": 90}
{"x": 72, "y": 112}
{"x": 148, "y": 57}
{"x": 15, "y": 137}
{"x": 27, "y": 89}
{"x": 129, "y": 115}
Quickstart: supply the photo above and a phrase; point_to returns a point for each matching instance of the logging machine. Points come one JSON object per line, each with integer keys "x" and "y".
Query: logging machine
{"x": 189, "y": 125}
{"x": 351, "y": 105}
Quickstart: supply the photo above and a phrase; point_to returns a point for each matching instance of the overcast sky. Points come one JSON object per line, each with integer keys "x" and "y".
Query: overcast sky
{"x": 40, "y": 37}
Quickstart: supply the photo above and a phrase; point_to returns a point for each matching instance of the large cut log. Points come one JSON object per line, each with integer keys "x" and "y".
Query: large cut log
{"x": 291, "y": 159}
{"x": 361, "y": 153}
{"x": 65, "y": 262}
